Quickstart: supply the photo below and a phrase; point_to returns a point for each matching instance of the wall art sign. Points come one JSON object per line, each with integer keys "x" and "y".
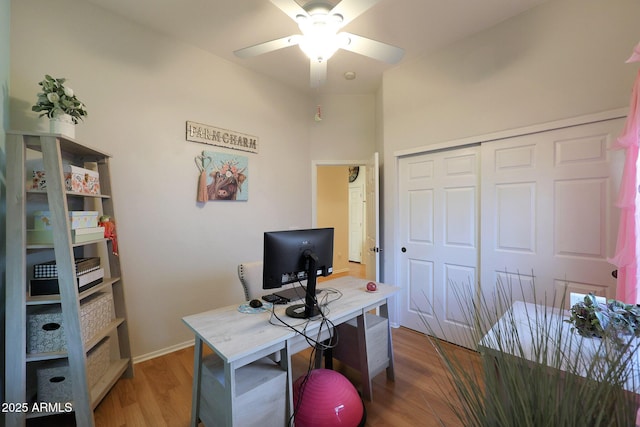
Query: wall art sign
{"x": 205, "y": 134}
{"x": 223, "y": 176}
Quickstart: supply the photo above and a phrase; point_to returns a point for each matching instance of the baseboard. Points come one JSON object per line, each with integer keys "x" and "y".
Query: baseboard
{"x": 162, "y": 352}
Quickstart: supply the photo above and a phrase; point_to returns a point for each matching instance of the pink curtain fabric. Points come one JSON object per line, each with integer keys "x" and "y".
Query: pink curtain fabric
{"x": 626, "y": 258}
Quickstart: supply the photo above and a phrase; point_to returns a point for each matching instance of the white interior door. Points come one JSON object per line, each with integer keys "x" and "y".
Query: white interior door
{"x": 549, "y": 216}
{"x": 372, "y": 219}
{"x": 438, "y": 259}
{"x": 356, "y": 222}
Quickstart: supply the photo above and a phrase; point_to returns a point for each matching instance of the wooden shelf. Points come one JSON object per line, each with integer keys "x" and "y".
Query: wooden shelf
{"x": 108, "y": 380}
{"x": 72, "y": 193}
{"x": 55, "y": 299}
{"x": 67, "y": 145}
{"x": 39, "y": 357}
{"x": 103, "y": 333}
{"x": 21, "y": 367}
{"x": 74, "y": 245}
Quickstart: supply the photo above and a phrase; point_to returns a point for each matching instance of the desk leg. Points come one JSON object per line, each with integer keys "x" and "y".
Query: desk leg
{"x": 230, "y": 395}
{"x": 285, "y": 363}
{"x": 384, "y": 312}
{"x": 328, "y": 357}
{"x": 197, "y": 378}
{"x": 364, "y": 356}
{"x": 319, "y": 353}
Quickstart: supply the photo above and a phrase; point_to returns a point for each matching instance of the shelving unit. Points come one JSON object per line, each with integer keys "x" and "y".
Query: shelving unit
{"x": 22, "y": 367}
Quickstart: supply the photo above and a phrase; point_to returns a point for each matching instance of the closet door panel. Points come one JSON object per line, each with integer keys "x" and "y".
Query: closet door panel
{"x": 548, "y": 212}
{"x": 439, "y": 240}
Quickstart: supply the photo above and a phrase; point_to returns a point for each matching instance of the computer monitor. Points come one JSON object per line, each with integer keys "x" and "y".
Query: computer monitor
{"x": 295, "y": 255}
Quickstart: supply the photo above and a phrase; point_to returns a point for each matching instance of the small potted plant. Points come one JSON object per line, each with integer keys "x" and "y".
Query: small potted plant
{"x": 60, "y": 104}
{"x": 591, "y": 318}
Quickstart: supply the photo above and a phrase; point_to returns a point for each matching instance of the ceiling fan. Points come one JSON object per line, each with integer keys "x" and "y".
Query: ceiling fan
{"x": 320, "y": 22}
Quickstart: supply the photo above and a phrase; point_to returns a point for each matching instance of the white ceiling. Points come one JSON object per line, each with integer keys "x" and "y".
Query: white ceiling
{"x": 222, "y": 26}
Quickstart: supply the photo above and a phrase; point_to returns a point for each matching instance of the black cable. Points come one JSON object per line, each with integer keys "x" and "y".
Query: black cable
{"x": 315, "y": 345}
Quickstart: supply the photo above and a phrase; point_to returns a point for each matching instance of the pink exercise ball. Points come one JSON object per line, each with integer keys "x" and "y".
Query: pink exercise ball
{"x": 327, "y": 398}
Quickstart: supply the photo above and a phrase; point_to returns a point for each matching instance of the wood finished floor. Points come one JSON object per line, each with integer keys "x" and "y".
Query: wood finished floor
{"x": 159, "y": 395}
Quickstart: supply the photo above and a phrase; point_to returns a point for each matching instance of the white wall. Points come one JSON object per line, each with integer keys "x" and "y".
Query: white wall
{"x": 140, "y": 88}
{"x": 347, "y": 129}
{"x": 562, "y": 59}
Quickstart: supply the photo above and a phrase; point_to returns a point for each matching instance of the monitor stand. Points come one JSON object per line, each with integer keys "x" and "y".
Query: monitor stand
{"x": 310, "y": 308}
{"x": 299, "y": 311}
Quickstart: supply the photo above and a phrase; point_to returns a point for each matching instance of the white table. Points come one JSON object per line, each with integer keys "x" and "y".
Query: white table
{"x": 577, "y": 352}
{"x": 239, "y": 339}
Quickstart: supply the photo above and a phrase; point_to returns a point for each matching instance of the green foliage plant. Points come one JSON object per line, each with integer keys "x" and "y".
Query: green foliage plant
{"x": 57, "y": 99}
{"x": 535, "y": 374}
{"x": 591, "y": 318}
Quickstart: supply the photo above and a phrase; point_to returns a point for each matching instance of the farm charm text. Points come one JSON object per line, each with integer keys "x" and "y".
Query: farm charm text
{"x": 197, "y": 132}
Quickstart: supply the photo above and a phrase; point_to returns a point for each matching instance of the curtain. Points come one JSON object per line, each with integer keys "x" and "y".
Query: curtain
{"x": 626, "y": 257}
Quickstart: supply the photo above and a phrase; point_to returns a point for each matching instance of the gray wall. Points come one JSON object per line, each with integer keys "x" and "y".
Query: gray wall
{"x": 5, "y": 14}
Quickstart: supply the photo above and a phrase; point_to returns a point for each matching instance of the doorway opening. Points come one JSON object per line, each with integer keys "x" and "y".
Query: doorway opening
{"x": 339, "y": 202}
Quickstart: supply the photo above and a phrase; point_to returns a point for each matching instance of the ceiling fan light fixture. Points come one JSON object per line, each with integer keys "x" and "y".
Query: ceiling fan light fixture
{"x": 320, "y": 41}
{"x": 319, "y": 48}
{"x": 319, "y": 22}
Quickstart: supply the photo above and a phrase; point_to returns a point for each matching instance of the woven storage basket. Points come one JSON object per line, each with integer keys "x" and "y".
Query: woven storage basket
{"x": 46, "y": 331}
{"x": 54, "y": 381}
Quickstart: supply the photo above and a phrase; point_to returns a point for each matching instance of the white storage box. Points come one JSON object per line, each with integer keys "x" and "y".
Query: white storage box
{"x": 45, "y": 330}
{"x": 81, "y": 180}
{"x": 39, "y": 237}
{"x": 79, "y": 235}
{"x": 54, "y": 381}
{"x": 77, "y": 219}
{"x": 82, "y": 235}
{"x": 77, "y": 179}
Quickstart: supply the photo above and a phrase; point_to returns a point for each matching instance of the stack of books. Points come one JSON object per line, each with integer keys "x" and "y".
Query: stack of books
{"x": 45, "y": 276}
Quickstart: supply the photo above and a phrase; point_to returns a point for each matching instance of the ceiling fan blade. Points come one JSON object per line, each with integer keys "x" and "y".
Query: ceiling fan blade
{"x": 291, "y": 8}
{"x": 373, "y": 49}
{"x": 265, "y": 47}
{"x": 318, "y": 73}
{"x": 351, "y": 9}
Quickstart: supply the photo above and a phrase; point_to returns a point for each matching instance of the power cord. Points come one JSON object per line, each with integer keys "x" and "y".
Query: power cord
{"x": 329, "y": 295}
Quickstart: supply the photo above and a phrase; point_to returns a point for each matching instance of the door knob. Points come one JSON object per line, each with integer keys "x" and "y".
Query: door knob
{"x": 403, "y": 249}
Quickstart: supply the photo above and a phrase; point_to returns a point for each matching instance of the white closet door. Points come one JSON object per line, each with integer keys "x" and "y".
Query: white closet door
{"x": 438, "y": 256}
{"x": 548, "y": 211}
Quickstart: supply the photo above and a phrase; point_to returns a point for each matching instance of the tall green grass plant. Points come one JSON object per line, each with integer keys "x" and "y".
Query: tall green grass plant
{"x": 537, "y": 373}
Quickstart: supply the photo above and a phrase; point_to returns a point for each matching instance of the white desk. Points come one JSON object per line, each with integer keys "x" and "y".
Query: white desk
{"x": 239, "y": 339}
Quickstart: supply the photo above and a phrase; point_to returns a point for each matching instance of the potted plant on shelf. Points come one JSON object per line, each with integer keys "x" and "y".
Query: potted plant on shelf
{"x": 60, "y": 104}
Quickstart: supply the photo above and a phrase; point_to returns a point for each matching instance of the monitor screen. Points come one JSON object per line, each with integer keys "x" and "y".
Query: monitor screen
{"x": 296, "y": 255}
